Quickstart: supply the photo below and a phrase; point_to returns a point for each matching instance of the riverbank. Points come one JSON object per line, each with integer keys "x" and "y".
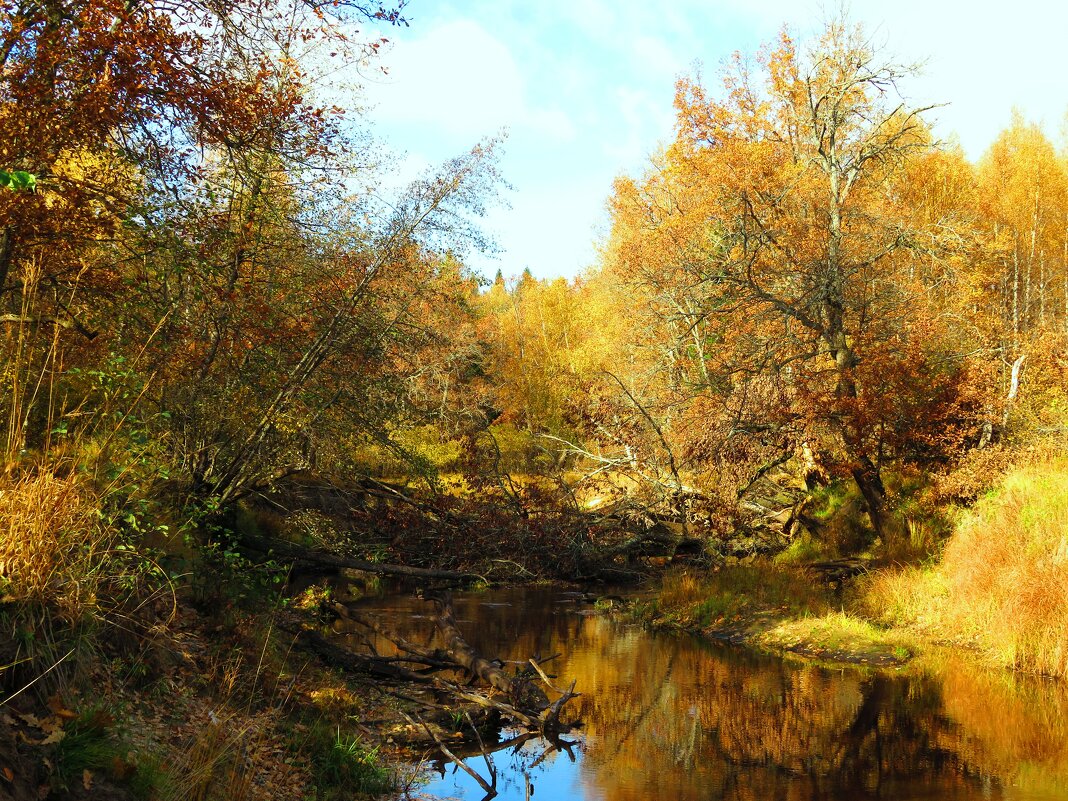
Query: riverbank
{"x": 145, "y": 666}
{"x": 778, "y": 609}
{"x": 996, "y": 587}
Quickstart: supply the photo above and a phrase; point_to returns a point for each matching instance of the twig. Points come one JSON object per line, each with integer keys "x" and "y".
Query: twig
{"x": 482, "y": 747}
{"x": 490, "y": 789}
{"x": 543, "y": 675}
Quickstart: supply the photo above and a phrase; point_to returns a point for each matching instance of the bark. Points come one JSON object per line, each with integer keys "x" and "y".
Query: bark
{"x": 1014, "y": 389}
{"x": 870, "y": 484}
{"x": 866, "y": 474}
{"x": 7, "y": 251}
{"x": 524, "y": 694}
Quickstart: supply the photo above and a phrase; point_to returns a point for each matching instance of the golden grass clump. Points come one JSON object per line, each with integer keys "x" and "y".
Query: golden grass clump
{"x": 52, "y": 544}
{"x": 1002, "y": 583}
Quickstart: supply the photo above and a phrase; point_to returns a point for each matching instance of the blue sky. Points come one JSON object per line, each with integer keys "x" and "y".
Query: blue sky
{"x": 584, "y": 89}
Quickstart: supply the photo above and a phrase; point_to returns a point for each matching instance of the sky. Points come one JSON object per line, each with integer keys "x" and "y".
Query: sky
{"x": 584, "y": 89}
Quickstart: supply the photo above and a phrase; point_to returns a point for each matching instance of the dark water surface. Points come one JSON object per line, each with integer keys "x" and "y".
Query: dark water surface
{"x": 675, "y": 717}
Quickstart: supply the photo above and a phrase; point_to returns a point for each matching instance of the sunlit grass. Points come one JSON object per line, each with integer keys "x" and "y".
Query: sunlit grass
{"x": 52, "y": 545}
{"x": 839, "y": 634}
{"x": 1002, "y": 583}
{"x": 739, "y": 592}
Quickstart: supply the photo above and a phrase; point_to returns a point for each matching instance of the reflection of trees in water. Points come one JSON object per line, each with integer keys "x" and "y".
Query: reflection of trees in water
{"x": 506, "y": 624}
{"x": 1017, "y": 725}
{"x": 717, "y": 723}
{"x": 673, "y": 717}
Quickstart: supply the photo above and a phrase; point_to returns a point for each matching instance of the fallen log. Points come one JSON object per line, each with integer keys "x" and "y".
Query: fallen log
{"x": 523, "y": 693}
{"x": 531, "y": 722}
{"x": 517, "y": 697}
{"x": 382, "y": 667}
{"x": 326, "y": 559}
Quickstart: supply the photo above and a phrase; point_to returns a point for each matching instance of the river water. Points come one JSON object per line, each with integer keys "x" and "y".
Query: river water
{"x": 677, "y": 717}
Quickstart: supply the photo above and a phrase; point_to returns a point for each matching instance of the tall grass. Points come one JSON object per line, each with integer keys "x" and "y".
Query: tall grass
{"x": 52, "y": 544}
{"x": 1002, "y": 583}
{"x": 53, "y": 564}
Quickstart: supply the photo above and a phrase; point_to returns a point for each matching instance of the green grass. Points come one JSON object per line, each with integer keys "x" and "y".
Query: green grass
{"x": 839, "y": 636}
{"x": 343, "y": 765}
{"x": 801, "y": 550}
{"x": 91, "y": 743}
{"x": 775, "y": 607}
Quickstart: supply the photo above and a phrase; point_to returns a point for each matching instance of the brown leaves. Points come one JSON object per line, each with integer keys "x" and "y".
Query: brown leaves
{"x": 37, "y": 730}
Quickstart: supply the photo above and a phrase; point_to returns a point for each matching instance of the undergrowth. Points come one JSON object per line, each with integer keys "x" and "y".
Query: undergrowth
{"x": 342, "y": 765}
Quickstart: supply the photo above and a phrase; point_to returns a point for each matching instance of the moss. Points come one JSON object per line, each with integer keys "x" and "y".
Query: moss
{"x": 803, "y": 549}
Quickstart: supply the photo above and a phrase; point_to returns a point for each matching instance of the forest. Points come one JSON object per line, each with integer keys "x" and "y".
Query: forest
{"x": 811, "y": 397}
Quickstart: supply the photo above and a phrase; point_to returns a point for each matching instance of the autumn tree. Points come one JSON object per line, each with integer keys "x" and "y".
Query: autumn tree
{"x": 1021, "y": 278}
{"x": 118, "y": 108}
{"x": 776, "y": 244}
{"x": 196, "y": 238}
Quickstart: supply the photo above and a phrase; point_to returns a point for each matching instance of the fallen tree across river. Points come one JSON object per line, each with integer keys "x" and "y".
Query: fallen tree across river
{"x": 518, "y": 697}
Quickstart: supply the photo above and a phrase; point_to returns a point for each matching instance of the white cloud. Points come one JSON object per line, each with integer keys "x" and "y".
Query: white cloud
{"x": 586, "y": 87}
{"x": 646, "y": 120}
{"x": 460, "y": 80}
{"x": 549, "y": 229}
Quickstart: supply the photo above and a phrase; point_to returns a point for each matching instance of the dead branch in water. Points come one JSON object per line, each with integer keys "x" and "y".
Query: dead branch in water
{"x": 522, "y": 693}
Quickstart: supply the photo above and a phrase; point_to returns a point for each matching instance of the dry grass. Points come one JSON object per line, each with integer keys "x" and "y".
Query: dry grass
{"x": 1002, "y": 583}
{"x": 52, "y": 545}
{"x": 215, "y": 767}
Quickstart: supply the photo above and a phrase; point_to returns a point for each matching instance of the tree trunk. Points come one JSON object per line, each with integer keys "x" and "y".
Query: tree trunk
{"x": 524, "y": 694}
{"x": 870, "y": 484}
{"x": 7, "y": 251}
{"x": 865, "y": 473}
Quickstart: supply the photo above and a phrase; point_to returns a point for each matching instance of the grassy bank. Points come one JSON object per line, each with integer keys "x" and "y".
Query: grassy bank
{"x": 1002, "y": 582}
{"x": 774, "y": 607}
{"x": 1000, "y": 589}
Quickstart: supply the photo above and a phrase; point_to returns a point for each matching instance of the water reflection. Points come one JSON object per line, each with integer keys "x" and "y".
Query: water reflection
{"x": 674, "y": 717}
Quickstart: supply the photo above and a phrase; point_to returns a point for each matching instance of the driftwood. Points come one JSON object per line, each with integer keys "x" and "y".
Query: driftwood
{"x": 523, "y": 693}
{"x": 490, "y": 788}
{"x": 840, "y": 569}
{"x": 327, "y": 651}
{"x": 518, "y": 697}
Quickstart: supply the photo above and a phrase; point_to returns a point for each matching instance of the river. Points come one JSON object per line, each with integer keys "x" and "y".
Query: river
{"x": 678, "y": 717}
